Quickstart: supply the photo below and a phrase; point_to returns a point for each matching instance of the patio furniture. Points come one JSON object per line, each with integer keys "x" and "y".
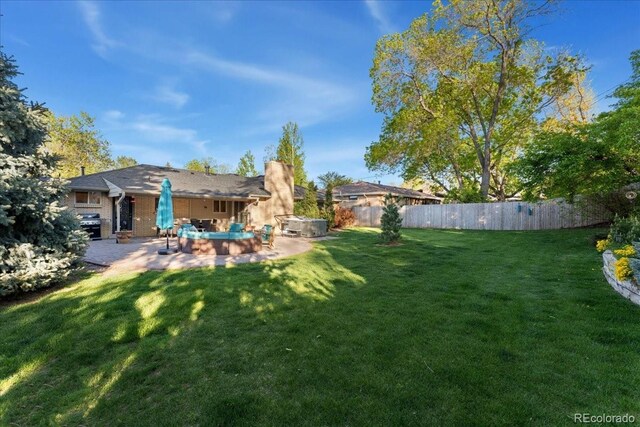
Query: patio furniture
{"x": 236, "y": 227}
{"x": 268, "y": 236}
{"x": 207, "y": 224}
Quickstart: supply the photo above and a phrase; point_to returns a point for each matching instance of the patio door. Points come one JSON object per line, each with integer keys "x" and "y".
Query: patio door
{"x": 126, "y": 214}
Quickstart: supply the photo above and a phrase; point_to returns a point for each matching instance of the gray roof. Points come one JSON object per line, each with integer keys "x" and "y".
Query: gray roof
{"x": 369, "y": 188}
{"x": 146, "y": 179}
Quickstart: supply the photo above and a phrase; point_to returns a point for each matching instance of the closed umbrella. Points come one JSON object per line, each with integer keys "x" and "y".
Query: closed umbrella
{"x": 164, "y": 216}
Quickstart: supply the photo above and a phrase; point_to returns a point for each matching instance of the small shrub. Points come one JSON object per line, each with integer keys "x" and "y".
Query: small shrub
{"x": 594, "y": 239}
{"x": 625, "y": 229}
{"x": 344, "y": 217}
{"x": 623, "y": 269}
{"x": 626, "y": 251}
{"x": 602, "y": 245}
{"x": 391, "y": 221}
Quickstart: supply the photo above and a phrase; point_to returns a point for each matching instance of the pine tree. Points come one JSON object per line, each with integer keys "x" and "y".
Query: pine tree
{"x": 391, "y": 221}
{"x": 308, "y": 206}
{"x": 39, "y": 238}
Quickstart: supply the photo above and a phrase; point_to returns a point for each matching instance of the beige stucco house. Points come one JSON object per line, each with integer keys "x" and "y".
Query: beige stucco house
{"x": 127, "y": 198}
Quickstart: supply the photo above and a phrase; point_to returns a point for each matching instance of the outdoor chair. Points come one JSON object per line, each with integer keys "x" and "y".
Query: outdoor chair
{"x": 268, "y": 236}
{"x": 195, "y": 223}
{"x": 207, "y": 224}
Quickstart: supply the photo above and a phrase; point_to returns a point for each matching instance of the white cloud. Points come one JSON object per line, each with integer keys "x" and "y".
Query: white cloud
{"x": 92, "y": 18}
{"x": 169, "y": 95}
{"x": 113, "y": 115}
{"x": 152, "y": 130}
{"x": 378, "y": 14}
{"x": 305, "y": 100}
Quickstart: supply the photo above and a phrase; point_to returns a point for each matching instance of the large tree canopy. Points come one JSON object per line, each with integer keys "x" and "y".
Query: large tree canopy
{"x": 463, "y": 90}
{"x": 76, "y": 142}
{"x": 593, "y": 159}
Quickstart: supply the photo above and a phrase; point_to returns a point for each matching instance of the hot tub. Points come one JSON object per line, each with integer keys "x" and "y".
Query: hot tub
{"x": 218, "y": 243}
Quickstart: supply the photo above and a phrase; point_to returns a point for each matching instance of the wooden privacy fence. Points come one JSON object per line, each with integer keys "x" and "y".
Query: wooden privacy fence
{"x": 548, "y": 215}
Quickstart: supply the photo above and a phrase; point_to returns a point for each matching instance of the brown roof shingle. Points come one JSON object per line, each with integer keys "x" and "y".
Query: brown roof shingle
{"x": 146, "y": 179}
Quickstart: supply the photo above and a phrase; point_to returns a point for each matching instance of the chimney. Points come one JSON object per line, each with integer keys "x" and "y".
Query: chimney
{"x": 207, "y": 170}
{"x": 378, "y": 182}
{"x": 81, "y": 170}
{"x": 278, "y": 180}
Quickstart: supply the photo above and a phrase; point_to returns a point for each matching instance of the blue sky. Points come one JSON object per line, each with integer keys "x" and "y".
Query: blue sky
{"x": 171, "y": 81}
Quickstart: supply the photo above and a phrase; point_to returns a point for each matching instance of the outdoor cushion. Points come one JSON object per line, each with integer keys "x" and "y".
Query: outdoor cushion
{"x": 235, "y": 227}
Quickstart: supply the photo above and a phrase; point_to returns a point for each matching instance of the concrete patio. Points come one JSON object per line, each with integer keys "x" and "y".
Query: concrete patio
{"x": 142, "y": 254}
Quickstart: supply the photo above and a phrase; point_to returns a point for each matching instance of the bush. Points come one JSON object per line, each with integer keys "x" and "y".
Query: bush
{"x": 391, "y": 221}
{"x": 625, "y": 229}
{"x": 626, "y": 251}
{"x": 602, "y": 245}
{"x": 344, "y": 217}
{"x": 623, "y": 269}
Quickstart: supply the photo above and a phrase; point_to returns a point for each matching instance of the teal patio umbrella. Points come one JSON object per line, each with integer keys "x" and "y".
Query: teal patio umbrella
{"x": 164, "y": 215}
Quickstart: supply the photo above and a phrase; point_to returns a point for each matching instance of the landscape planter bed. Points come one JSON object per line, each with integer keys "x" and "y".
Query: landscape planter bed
{"x": 218, "y": 243}
{"x": 626, "y": 288}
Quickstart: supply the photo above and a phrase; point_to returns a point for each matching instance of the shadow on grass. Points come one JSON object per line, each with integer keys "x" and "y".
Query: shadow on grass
{"x": 465, "y": 328}
{"x": 88, "y": 336}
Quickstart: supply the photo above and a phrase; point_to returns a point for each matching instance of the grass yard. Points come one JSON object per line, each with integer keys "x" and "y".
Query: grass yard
{"x": 450, "y": 328}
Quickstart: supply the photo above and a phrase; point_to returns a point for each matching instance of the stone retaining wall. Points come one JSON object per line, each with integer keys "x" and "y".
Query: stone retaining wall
{"x": 626, "y": 288}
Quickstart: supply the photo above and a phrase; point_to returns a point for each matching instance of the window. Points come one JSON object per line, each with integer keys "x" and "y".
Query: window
{"x": 238, "y": 206}
{"x": 353, "y": 197}
{"x": 88, "y": 198}
{"x": 219, "y": 206}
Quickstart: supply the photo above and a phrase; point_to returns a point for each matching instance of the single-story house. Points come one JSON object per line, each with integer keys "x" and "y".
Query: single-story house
{"x": 363, "y": 193}
{"x": 127, "y": 198}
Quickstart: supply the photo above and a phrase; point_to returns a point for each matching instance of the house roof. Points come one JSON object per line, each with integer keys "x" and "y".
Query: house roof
{"x": 370, "y": 189}
{"x": 146, "y": 179}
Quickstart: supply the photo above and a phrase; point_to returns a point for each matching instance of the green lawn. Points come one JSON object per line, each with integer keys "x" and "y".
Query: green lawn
{"x": 450, "y": 327}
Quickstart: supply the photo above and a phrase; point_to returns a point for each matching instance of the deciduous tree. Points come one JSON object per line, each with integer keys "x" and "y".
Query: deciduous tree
{"x": 76, "y": 142}
{"x": 290, "y": 150}
{"x": 333, "y": 179}
{"x": 247, "y": 165}
{"x": 124, "y": 162}
{"x": 200, "y": 165}
{"x": 461, "y": 90}
{"x": 593, "y": 159}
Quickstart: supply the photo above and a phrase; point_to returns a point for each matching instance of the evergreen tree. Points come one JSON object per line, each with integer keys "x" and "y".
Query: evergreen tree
{"x": 391, "y": 221}
{"x": 289, "y": 150}
{"x": 247, "y": 165}
{"x": 39, "y": 238}
{"x": 308, "y": 206}
{"x": 329, "y": 212}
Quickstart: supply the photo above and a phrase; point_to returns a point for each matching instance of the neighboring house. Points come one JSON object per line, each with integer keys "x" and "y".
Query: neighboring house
{"x": 369, "y": 194}
{"x": 127, "y": 198}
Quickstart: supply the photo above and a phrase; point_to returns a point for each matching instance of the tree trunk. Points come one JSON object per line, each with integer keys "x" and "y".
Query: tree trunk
{"x": 486, "y": 173}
